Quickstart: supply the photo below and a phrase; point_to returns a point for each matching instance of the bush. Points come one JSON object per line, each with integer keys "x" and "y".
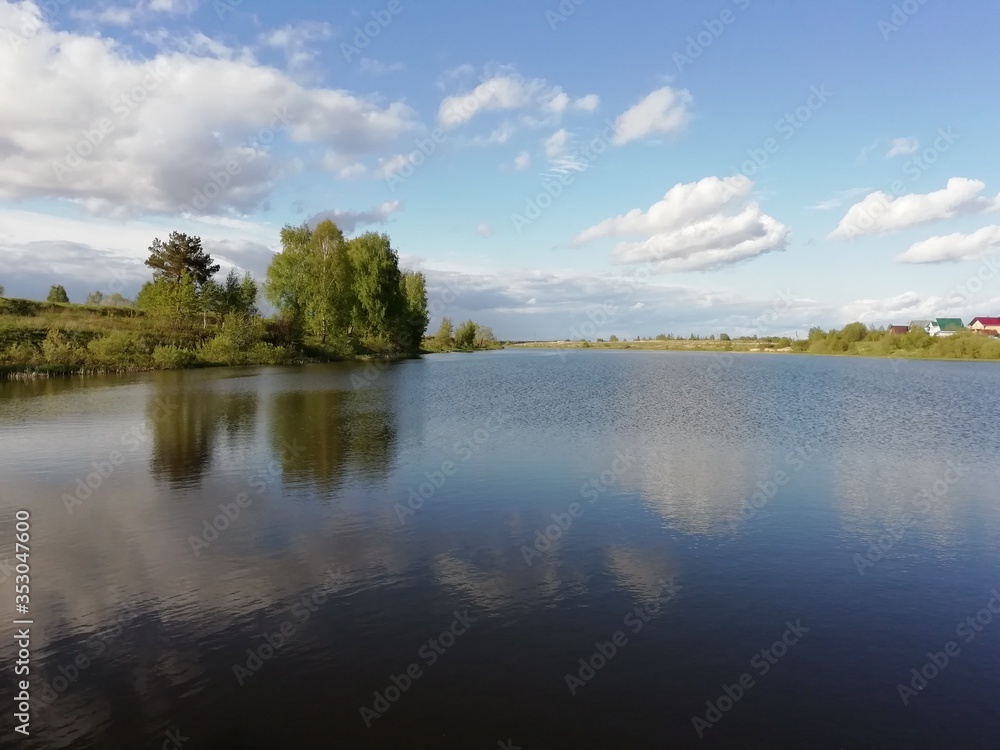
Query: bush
{"x": 173, "y": 357}
{"x": 58, "y": 351}
{"x": 119, "y": 349}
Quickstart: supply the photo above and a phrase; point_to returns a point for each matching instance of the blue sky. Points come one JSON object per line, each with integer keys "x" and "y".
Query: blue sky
{"x": 741, "y": 166}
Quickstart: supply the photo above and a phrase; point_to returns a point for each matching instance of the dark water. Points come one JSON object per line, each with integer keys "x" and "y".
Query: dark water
{"x": 781, "y": 627}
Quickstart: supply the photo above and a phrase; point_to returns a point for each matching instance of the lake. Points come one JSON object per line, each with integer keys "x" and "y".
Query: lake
{"x": 513, "y": 549}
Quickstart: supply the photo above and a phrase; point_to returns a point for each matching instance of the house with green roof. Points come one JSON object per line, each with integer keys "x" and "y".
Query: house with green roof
{"x": 945, "y": 326}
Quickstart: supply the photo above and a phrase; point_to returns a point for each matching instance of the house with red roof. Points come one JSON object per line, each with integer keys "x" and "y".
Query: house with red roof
{"x": 900, "y": 330}
{"x": 986, "y": 325}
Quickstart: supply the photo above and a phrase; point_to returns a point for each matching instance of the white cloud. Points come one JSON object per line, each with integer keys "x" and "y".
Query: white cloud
{"x": 120, "y": 15}
{"x": 827, "y": 205}
{"x": 349, "y": 220}
{"x": 954, "y": 248}
{"x": 505, "y": 90}
{"x": 485, "y": 229}
{"x": 690, "y": 228}
{"x": 662, "y": 113}
{"x": 555, "y": 144}
{"x": 343, "y": 166}
{"x": 902, "y": 147}
{"x": 522, "y": 161}
{"x": 164, "y": 134}
{"x": 296, "y": 41}
{"x": 880, "y": 213}
{"x": 557, "y": 151}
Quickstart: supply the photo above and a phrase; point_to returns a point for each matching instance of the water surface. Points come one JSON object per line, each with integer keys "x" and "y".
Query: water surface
{"x": 332, "y": 574}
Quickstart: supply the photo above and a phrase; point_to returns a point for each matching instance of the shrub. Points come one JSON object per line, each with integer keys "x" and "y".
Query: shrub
{"x": 173, "y": 357}
{"x": 120, "y": 349}
{"x": 58, "y": 351}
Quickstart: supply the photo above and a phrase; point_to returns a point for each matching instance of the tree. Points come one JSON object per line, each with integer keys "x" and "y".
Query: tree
{"x": 442, "y": 339}
{"x": 854, "y": 332}
{"x": 484, "y": 338}
{"x": 2, "y": 290}
{"x": 613, "y": 338}
{"x": 311, "y": 278}
{"x": 414, "y": 289}
{"x": 465, "y": 336}
{"x": 168, "y": 299}
{"x": 181, "y": 253}
{"x": 57, "y": 294}
{"x": 724, "y": 337}
{"x": 379, "y": 302}
{"x": 94, "y": 298}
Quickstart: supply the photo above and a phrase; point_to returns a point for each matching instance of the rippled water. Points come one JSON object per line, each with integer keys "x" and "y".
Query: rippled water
{"x": 337, "y": 607}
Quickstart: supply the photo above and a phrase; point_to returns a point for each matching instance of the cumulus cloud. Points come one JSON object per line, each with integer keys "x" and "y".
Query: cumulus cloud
{"x": 902, "y": 147}
{"x": 506, "y": 90}
{"x": 522, "y": 161}
{"x": 555, "y": 144}
{"x": 664, "y": 112}
{"x": 694, "y": 228}
{"x": 348, "y": 220}
{"x": 880, "y": 213}
{"x": 296, "y": 41}
{"x": 954, "y": 248}
{"x": 99, "y": 126}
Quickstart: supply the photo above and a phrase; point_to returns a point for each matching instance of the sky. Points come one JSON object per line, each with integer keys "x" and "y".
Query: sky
{"x": 557, "y": 170}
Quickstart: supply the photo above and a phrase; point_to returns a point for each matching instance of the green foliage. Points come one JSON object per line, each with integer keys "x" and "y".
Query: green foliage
{"x": 94, "y": 298}
{"x": 414, "y": 290}
{"x": 172, "y": 357}
{"x": 57, "y": 293}
{"x": 379, "y": 303}
{"x": 724, "y": 337}
{"x": 181, "y": 255}
{"x": 119, "y": 350}
{"x": 165, "y": 299}
{"x": 465, "y": 335}
{"x": 613, "y": 338}
{"x": 443, "y": 337}
{"x": 310, "y": 279}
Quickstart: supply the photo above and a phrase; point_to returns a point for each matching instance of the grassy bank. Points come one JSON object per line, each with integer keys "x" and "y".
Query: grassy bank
{"x": 47, "y": 338}
{"x": 913, "y": 345}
